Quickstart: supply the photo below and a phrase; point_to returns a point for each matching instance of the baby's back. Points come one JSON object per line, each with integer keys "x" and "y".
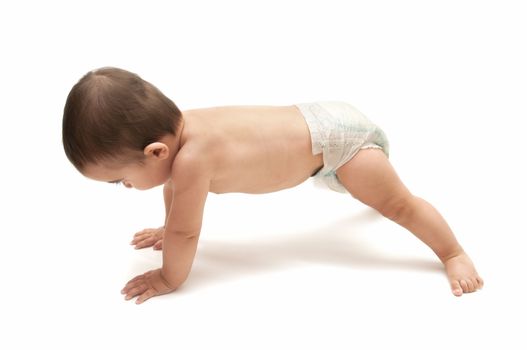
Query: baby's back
{"x": 253, "y": 149}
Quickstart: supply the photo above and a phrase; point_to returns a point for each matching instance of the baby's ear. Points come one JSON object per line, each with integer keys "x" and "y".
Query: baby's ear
{"x": 157, "y": 149}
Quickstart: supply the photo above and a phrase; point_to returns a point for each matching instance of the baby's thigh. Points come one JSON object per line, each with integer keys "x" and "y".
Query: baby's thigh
{"x": 370, "y": 178}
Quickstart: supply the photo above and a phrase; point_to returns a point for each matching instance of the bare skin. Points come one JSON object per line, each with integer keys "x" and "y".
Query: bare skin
{"x": 153, "y": 237}
{"x": 260, "y": 149}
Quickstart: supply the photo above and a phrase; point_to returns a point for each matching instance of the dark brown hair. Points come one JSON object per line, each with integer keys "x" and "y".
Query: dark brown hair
{"x": 113, "y": 114}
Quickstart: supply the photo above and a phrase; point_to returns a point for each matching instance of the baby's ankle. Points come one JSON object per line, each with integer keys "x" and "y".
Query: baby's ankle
{"x": 453, "y": 253}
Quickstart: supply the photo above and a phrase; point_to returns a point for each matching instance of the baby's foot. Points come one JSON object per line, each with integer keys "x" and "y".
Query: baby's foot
{"x": 149, "y": 237}
{"x": 462, "y": 275}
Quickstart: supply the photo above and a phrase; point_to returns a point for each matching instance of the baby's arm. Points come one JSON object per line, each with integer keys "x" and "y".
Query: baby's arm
{"x": 184, "y": 224}
{"x": 191, "y": 182}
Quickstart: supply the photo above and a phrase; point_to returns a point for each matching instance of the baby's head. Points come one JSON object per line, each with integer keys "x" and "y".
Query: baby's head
{"x": 112, "y": 116}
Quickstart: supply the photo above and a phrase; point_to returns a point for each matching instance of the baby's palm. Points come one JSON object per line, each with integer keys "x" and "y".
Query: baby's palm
{"x": 149, "y": 237}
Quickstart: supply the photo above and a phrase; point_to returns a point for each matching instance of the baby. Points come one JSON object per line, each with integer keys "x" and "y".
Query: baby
{"x": 118, "y": 128}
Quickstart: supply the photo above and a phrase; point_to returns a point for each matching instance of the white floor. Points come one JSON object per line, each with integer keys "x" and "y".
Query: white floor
{"x": 303, "y": 268}
{"x": 299, "y": 269}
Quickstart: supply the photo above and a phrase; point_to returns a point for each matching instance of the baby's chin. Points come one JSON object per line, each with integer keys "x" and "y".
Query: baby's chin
{"x": 154, "y": 184}
{"x": 148, "y": 187}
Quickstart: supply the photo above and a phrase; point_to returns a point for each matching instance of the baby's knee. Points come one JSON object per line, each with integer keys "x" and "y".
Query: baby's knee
{"x": 397, "y": 208}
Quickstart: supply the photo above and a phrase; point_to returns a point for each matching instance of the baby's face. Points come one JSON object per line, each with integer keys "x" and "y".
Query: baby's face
{"x": 139, "y": 176}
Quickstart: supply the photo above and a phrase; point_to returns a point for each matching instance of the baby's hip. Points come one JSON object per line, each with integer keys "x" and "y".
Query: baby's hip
{"x": 335, "y": 124}
{"x": 338, "y": 131}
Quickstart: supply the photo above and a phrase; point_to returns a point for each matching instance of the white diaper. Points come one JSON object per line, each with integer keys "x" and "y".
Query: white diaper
{"x": 339, "y": 131}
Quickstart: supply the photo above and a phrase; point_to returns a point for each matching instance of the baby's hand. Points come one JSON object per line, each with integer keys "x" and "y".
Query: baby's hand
{"x": 147, "y": 285}
{"x": 149, "y": 237}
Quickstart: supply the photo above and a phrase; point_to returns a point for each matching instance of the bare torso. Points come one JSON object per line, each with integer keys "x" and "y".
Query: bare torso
{"x": 252, "y": 149}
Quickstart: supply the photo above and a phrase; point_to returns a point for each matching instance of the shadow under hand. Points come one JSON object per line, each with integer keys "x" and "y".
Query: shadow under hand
{"x": 335, "y": 244}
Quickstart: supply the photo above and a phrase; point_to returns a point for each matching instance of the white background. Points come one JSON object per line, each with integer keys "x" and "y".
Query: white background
{"x": 299, "y": 269}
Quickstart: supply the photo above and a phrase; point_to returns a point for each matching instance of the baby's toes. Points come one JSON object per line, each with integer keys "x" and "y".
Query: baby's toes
{"x": 480, "y": 282}
{"x": 471, "y": 286}
{"x": 467, "y": 285}
{"x": 464, "y": 285}
{"x": 456, "y": 288}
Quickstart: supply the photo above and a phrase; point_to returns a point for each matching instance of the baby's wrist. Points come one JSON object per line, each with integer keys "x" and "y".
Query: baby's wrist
{"x": 166, "y": 281}
{"x": 172, "y": 280}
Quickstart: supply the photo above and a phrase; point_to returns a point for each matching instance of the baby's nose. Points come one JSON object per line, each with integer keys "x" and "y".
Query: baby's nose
{"x": 127, "y": 184}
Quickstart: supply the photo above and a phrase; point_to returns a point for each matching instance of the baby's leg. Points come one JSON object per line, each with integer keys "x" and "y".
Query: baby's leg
{"x": 370, "y": 178}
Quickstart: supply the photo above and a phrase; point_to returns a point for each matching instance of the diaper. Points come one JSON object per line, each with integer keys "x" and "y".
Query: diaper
{"x": 338, "y": 131}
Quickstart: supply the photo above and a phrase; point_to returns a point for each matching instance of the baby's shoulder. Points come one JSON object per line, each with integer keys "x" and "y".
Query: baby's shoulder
{"x": 191, "y": 162}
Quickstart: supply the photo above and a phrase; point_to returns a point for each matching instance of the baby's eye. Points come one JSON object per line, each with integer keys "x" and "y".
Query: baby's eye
{"x": 116, "y": 182}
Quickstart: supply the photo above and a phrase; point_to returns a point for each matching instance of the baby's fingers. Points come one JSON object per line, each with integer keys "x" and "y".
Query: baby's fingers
{"x": 145, "y": 232}
{"x": 134, "y": 287}
{"x": 158, "y": 245}
{"x": 145, "y": 296}
{"x": 132, "y": 283}
{"x": 147, "y": 238}
{"x": 144, "y": 242}
{"x": 135, "y": 291}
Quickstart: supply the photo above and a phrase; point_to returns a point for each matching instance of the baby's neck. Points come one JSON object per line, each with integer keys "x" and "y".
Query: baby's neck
{"x": 173, "y": 142}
